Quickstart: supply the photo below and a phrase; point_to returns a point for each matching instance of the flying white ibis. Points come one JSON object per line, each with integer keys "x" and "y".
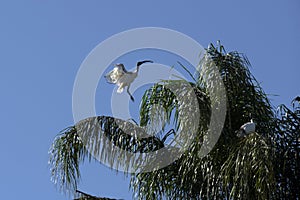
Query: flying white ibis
{"x": 246, "y": 128}
{"x": 120, "y": 76}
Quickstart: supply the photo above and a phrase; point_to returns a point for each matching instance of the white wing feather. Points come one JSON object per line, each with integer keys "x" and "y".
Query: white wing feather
{"x": 114, "y": 75}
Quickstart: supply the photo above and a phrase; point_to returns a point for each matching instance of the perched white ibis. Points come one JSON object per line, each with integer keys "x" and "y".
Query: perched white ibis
{"x": 120, "y": 76}
{"x": 246, "y": 128}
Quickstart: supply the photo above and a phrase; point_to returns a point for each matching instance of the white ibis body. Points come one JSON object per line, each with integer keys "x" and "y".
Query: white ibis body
{"x": 246, "y": 128}
{"x": 122, "y": 78}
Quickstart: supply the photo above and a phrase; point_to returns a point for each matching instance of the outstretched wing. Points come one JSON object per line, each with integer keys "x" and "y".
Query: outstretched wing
{"x": 114, "y": 75}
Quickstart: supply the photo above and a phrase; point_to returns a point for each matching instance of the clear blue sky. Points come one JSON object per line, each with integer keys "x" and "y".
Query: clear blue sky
{"x": 43, "y": 43}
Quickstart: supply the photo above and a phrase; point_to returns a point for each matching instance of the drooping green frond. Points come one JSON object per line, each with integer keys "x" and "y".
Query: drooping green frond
{"x": 112, "y": 141}
{"x": 249, "y": 169}
{"x": 175, "y": 103}
{"x": 161, "y": 96}
{"x": 116, "y": 142}
{"x": 66, "y": 153}
{"x": 167, "y": 181}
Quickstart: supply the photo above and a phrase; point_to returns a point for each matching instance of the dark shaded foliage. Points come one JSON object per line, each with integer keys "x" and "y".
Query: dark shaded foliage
{"x": 85, "y": 196}
{"x": 287, "y": 151}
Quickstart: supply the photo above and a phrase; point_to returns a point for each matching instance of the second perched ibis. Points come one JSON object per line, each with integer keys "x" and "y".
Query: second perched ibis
{"x": 246, "y": 128}
{"x": 120, "y": 76}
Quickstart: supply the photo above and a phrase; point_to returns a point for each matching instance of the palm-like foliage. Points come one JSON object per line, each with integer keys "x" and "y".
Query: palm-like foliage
{"x": 287, "y": 147}
{"x": 235, "y": 168}
{"x": 85, "y": 196}
{"x": 87, "y": 138}
{"x": 66, "y": 153}
{"x": 262, "y": 165}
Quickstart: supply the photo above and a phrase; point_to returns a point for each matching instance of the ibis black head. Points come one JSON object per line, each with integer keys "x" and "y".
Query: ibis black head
{"x": 142, "y": 62}
{"x": 119, "y": 65}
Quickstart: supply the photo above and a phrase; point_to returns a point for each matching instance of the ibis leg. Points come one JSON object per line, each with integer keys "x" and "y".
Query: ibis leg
{"x": 131, "y": 97}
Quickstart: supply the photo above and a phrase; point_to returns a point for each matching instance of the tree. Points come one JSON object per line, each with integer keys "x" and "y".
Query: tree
{"x": 261, "y": 165}
{"x": 287, "y": 151}
{"x": 85, "y": 196}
